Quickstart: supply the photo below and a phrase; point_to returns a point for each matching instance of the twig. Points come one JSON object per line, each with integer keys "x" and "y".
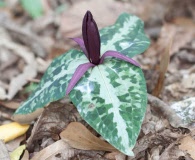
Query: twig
{"x": 162, "y": 108}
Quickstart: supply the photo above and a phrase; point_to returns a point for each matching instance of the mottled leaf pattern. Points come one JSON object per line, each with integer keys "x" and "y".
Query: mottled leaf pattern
{"x": 112, "y": 98}
{"x": 54, "y": 82}
{"x": 125, "y": 36}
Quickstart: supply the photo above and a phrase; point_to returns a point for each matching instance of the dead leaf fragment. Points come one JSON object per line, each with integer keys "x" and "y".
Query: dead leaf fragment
{"x": 15, "y": 155}
{"x": 12, "y": 145}
{"x": 171, "y": 152}
{"x": 52, "y": 121}
{"x": 4, "y": 155}
{"x": 25, "y": 155}
{"x": 188, "y": 144}
{"x": 54, "y": 149}
{"x": 10, "y": 104}
{"x": 79, "y": 137}
{"x": 12, "y": 130}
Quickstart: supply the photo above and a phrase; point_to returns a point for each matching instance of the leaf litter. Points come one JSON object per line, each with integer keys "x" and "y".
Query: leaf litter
{"x": 79, "y": 137}
{"x": 164, "y": 131}
{"x": 55, "y": 113}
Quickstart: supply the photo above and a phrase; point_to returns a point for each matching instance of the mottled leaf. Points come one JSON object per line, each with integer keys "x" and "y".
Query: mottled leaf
{"x": 54, "y": 82}
{"x": 112, "y": 98}
{"x": 125, "y": 36}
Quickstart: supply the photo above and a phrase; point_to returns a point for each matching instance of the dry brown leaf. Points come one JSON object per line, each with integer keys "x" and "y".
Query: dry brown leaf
{"x": 25, "y": 155}
{"x": 52, "y": 121}
{"x": 188, "y": 144}
{"x": 10, "y": 104}
{"x": 79, "y": 137}
{"x": 111, "y": 155}
{"x": 54, "y": 149}
{"x": 165, "y": 58}
{"x": 12, "y": 145}
{"x": 171, "y": 152}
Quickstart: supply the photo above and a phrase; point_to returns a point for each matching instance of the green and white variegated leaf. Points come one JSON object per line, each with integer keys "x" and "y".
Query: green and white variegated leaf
{"x": 54, "y": 82}
{"x": 125, "y": 36}
{"x": 112, "y": 98}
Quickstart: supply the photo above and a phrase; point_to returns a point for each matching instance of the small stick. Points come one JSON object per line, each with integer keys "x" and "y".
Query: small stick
{"x": 164, "y": 109}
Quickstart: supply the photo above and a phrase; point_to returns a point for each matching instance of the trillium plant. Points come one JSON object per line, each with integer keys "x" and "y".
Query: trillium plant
{"x": 102, "y": 81}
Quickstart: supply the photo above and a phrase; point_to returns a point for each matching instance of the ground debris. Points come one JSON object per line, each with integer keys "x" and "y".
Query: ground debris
{"x": 28, "y": 46}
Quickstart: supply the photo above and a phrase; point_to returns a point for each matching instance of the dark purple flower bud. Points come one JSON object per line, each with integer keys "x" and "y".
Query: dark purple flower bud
{"x": 91, "y": 38}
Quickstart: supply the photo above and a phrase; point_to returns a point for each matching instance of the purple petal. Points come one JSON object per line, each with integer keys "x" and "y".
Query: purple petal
{"x": 80, "y": 42}
{"x": 119, "y": 56}
{"x": 91, "y": 38}
{"x": 80, "y": 71}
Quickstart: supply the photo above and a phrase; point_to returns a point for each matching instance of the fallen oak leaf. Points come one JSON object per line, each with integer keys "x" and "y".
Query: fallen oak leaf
{"x": 12, "y": 130}
{"x": 79, "y": 137}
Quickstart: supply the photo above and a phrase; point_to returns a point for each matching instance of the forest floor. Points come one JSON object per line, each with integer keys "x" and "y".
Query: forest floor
{"x": 168, "y": 130}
